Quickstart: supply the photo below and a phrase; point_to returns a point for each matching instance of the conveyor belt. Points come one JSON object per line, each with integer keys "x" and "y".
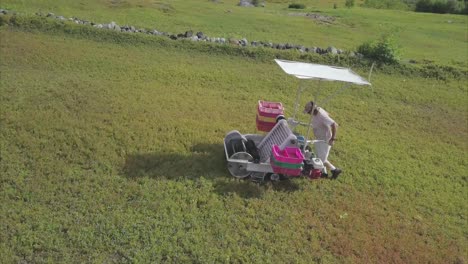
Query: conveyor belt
{"x": 280, "y": 135}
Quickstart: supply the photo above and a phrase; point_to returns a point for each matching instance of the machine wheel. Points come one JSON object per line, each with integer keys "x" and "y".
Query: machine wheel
{"x": 239, "y": 170}
{"x": 275, "y": 177}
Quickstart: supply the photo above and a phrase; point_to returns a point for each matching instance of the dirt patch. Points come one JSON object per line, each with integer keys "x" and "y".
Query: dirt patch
{"x": 316, "y": 17}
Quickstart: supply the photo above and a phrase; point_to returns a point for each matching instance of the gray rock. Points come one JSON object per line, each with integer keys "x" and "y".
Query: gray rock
{"x": 352, "y": 54}
{"x": 117, "y": 28}
{"x": 194, "y": 38}
{"x": 132, "y": 28}
{"x": 245, "y": 3}
{"x": 188, "y": 34}
{"x": 288, "y": 46}
{"x": 50, "y": 15}
{"x": 340, "y": 51}
{"x": 99, "y": 25}
{"x": 200, "y": 35}
{"x": 281, "y": 46}
{"x": 244, "y": 42}
{"x": 174, "y": 37}
{"x": 254, "y": 43}
{"x": 222, "y": 40}
{"x": 332, "y": 50}
{"x": 233, "y": 41}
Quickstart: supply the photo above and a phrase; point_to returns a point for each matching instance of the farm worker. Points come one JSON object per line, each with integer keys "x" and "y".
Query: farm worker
{"x": 325, "y": 129}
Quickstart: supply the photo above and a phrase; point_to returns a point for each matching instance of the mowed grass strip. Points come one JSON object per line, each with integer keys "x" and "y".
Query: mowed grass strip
{"x": 114, "y": 152}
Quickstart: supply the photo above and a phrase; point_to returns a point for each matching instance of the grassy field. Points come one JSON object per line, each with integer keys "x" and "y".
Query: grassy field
{"x": 419, "y": 35}
{"x": 111, "y": 151}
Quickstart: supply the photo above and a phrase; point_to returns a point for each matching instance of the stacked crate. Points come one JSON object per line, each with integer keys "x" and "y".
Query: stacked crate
{"x": 267, "y": 112}
{"x": 288, "y": 161}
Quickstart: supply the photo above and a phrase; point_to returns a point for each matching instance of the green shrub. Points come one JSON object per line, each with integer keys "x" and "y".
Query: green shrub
{"x": 4, "y": 20}
{"x": 440, "y": 7}
{"x": 297, "y": 6}
{"x": 349, "y": 3}
{"x": 384, "y": 50}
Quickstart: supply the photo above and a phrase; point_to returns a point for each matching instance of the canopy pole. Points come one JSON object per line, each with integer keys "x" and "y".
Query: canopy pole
{"x": 300, "y": 89}
{"x": 312, "y": 116}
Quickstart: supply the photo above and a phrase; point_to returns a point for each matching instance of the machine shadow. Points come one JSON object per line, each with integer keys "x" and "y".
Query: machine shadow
{"x": 204, "y": 160}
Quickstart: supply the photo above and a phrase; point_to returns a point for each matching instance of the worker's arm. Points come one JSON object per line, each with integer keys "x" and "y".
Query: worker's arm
{"x": 334, "y": 128}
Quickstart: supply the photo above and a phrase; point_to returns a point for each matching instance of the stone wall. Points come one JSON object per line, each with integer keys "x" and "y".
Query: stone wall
{"x": 196, "y": 36}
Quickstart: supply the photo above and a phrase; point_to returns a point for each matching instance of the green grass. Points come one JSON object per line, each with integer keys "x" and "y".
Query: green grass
{"x": 113, "y": 153}
{"x": 419, "y": 34}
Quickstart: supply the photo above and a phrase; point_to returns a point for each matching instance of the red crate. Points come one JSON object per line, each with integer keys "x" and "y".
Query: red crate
{"x": 270, "y": 109}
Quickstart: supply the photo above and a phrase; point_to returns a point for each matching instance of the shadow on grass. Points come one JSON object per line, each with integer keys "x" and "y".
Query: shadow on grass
{"x": 203, "y": 160}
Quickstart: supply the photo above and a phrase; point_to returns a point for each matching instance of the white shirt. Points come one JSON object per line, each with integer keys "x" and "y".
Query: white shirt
{"x": 321, "y": 123}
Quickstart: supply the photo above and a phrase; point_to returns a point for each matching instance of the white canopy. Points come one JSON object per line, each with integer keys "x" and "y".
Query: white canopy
{"x": 304, "y": 70}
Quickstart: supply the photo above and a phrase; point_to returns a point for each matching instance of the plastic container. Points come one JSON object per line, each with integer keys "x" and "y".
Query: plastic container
{"x": 291, "y": 155}
{"x": 264, "y": 126}
{"x": 266, "y": 119}
{"x": 286, "y": 171}
{"x": 286, "y": 165}
{"x": 270, "y": 109}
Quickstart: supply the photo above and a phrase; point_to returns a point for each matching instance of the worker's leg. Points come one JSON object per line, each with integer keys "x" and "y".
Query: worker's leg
{"x": 322, "y": 150}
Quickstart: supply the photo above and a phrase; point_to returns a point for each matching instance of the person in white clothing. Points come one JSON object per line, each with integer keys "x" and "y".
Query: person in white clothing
{"x": 325, "y": 129}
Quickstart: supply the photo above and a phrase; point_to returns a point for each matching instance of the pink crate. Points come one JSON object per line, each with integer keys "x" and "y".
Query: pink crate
{"x": 264, "y": 126}
{"x": 269, "y": 109}
{"x": 290, "y": 155}
{"x": 285, "y": 171}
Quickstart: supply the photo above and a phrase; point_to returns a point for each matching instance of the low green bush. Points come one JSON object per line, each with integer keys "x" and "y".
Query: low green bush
{"x": 349, "y": 3}
{"x": 384, "y": 50}
{"x": 297, "y": 6}
{"x": 440, "y": 7}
